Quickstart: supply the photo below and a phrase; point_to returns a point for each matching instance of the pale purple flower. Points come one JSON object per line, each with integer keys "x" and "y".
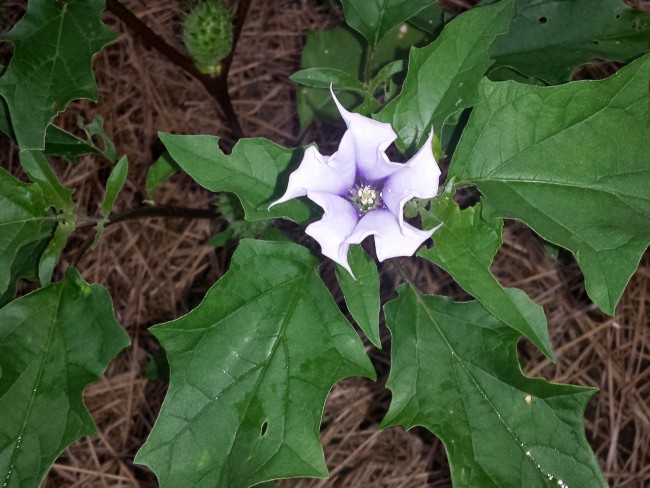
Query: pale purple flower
{"x": 363, "y": 193}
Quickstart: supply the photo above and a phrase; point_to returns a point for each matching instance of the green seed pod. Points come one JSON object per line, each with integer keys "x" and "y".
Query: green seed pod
{"x": 207, "y": 34}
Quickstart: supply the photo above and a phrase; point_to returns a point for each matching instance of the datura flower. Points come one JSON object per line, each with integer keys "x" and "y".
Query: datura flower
{"x": 363, "y": 193}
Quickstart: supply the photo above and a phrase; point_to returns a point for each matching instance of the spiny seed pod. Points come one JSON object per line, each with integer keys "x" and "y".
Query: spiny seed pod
{"x": 207, "y": 34}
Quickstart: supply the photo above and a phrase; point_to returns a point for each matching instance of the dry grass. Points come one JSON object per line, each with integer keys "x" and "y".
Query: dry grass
{"x": 157, "y": 269}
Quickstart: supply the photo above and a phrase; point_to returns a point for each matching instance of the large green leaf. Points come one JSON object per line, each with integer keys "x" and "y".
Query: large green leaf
{"x": 374, "y": 18}
{"x": 53, "y": 343}
{"x": 251, "y": 367}
{"x": 572, "y": 162}
{"x": 361, "y": 293}
{"x": 549, "y": 39}
{"x": 257, "y": 171}
{"x": 455, "y": 371}
{"x": 54, "y": 45}
{"x": 443, "y": 76}
{"x": 56, "y": 197}
{"x": 24, "y": 221}
{"x": 465, "y": 246}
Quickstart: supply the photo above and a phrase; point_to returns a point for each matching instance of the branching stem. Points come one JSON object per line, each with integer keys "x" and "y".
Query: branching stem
{"x": 216, "y": 85}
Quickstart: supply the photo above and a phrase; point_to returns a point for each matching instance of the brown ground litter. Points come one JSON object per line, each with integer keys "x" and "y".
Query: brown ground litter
{"x": 158, "y": 269}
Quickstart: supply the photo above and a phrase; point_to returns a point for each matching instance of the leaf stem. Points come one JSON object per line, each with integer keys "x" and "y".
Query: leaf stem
{"x": 402, "y": 272}
{"x": 216, "y": 85}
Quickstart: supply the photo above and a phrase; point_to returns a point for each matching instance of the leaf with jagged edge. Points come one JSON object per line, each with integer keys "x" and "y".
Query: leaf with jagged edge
{"x": 53, "y": 343}
{"x": 257, "y": 171}
{"x": 374, "y": 18}
{"x": 573, "y": 163}
{"x": 454, "y": 371}
{"x": 465, "y": 246}
{"x": 251, "y": 367}
{"x": 54, "y": 45}
{"x": 24, "y": 222}
{"x": 361, "y": 292}
{"x": 548, "y": 40}
{"x": 58, "y": 142}
{"x": 56, "y": 197}
{"x": 443, "y": 77}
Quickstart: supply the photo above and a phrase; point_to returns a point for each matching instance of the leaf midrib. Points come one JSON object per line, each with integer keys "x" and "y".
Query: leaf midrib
{"x": 38, "y": 380}
{"x": 459, "y": 360}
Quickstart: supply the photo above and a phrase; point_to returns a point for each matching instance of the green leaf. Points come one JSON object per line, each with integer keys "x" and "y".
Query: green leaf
{"x": 58, "y": 142}
{"x": 386, "y": 73}
{"x": 337, "y": 49}
{"x": 114, "y": 185}
{"x": 431, "y": 19}
{"x": 53, "y": 343}
{"x": 24, "y": 221}
{"x": 341, "y": 49}
{"x": 443, "y": 77}
{"x": 96, "y": 128}
{"x": 550, "y": 39}
{"x": 251, "y": 367}
{"x": 465, "y": 246}
{"x": 25, "y": 266}
{"x": 324, "y": 77}
{"x": 572, "y": 162}
{"x": 362, "y": 292}
{"x": 54, "y": 45}
{"x": 56, "y": 196}
{"x": 257, "y": 171}
{"x": 160, "y": 171}
{"x": 455, "y": 372}
{"x": 374, "y": 18}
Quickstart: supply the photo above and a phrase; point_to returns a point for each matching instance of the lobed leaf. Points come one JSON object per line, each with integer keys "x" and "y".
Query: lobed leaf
{"x": 54, "y": 45}
{"x": 53, "y": 343}
{"x": 58, "y": 142}
{"x": 251, "y": 367}
{"x": 572, "y": 162}
{"x": 443, "y": 77}
{"x": 454, "y": 371}
{"x": 57, "y": 197}
{"x": 24, "y": 222}
{"x": 465, "y": 246}
{"x": 548, "y": 40}
{"x": 257, "y": 171}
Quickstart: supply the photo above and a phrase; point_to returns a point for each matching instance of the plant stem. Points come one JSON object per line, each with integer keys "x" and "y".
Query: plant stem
{"x": 217, "y": 86}
{"x": 162, "y": 211}
{"x": 146, "y": 213}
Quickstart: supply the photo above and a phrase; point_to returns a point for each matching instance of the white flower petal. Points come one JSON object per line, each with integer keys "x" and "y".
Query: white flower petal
{"x": 339, "y": 220}
{"x": 316, "y": 173}
{"x": 391, "y": 240}
{"x": 418, "y": 178}
{"x": 370, "y": 138}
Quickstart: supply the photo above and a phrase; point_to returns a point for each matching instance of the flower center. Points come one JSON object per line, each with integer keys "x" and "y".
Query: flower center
{"x": 365, "y": 197}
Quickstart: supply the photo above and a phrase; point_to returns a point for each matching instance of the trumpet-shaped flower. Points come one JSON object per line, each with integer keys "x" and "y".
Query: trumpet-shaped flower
{"x": 363, "y": 193}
